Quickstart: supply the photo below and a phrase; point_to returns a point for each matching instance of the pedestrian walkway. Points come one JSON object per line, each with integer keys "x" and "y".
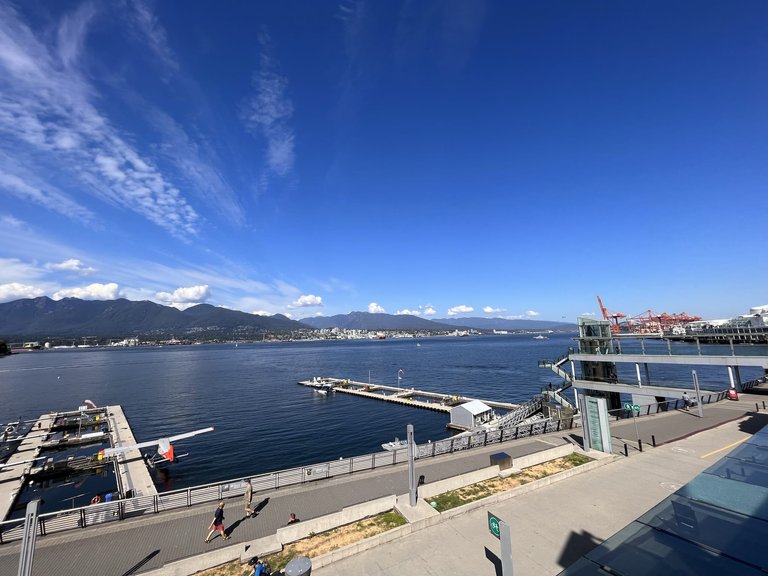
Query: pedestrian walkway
{"x": 554, "y": 525}
{"x": 145, "y": 544}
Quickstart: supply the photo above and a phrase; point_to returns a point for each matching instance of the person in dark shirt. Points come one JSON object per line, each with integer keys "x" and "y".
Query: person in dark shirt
{"x": 217, "y": 525}
{"x": 292, "y": 518}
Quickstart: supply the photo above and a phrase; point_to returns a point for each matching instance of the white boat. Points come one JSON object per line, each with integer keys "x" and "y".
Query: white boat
{"x": 540, "y": 337}
{"x": 322, "y": 391}
{"x": 397, "y": 444}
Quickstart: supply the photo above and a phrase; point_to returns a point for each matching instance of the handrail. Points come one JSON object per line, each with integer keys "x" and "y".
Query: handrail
{"x": 657, "y": 407}
{"x": 117, "y": 510}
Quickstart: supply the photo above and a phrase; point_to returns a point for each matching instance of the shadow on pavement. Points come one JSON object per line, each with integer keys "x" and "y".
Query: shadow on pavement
{"x": 136, "y": 567}
{"x": 754, "y": 423}
{"x": 495, "y": 560}
{"x": 577, "y": 545}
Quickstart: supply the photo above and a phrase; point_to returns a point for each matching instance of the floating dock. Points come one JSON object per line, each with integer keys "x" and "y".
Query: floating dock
{"x": 13, "y": 474}
{"x": 132, "y": 475}
{"x": 133, "y": 478}
{"x": 424, "y": 399}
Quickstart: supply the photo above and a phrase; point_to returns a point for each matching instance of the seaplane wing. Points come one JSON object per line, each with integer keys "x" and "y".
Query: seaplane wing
{"x": 163, "y": 444}
{"x": 10, "y": 465}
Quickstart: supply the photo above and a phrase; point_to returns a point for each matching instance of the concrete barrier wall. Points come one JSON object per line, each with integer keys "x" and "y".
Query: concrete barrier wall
{"x": 541, "y": 457}
{"x": 434, "y": 488}
{"x": 350, "y": 514}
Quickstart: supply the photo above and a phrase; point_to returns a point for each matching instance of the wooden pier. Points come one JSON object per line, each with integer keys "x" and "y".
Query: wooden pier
{"x": 436, "y": 401}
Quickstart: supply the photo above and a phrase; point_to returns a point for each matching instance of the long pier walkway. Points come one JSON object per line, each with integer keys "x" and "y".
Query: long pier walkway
{"x": 424, "y": 399}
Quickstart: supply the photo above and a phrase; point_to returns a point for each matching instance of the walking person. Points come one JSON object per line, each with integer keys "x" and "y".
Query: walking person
{"x": 248, "y": 497}
{"x": 686, "y": 401}
{"x": 217, "y": 524}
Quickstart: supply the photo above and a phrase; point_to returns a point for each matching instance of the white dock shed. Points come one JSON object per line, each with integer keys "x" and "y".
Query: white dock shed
{"x": 471, "y": 414}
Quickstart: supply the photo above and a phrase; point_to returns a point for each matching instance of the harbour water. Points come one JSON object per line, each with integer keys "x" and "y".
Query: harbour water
{"x": 264, "y": 421}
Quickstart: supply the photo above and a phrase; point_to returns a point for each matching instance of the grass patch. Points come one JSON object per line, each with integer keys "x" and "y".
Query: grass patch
{"x": 467, "y": 494}
{"x": 317, "y": 544}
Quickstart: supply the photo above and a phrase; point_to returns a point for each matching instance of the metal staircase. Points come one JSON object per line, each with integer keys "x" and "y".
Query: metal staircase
{"x": 524, "y": 411}
{"x": 556, "y": 367}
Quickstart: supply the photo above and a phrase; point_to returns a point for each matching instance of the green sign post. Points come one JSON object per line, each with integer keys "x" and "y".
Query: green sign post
{"x": 500, "y": 530}
{"x": 493, "y": 525}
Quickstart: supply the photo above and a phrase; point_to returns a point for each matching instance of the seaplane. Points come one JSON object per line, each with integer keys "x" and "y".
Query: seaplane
{"x": 164, "y": 453}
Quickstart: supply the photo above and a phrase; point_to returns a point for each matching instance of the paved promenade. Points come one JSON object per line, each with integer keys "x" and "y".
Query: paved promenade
{"x": 557, "y": 524}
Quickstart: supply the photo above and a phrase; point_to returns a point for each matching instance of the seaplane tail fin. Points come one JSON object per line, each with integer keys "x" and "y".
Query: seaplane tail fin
{"x": 165, "y": 449}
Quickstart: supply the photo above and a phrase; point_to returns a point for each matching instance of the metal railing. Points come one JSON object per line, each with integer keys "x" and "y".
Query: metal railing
{"x": 53, "y": 522}
{"x": 666, "y": 406}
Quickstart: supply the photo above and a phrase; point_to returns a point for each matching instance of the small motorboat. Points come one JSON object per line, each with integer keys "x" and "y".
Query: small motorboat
{"x": 397, "y": 444}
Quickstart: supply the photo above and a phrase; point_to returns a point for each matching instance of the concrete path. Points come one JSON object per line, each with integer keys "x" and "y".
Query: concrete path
{"x": 554, "y": 525}
{"x": 551, "y": 530}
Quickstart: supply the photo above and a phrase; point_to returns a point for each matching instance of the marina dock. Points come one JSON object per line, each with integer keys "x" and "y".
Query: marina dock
{"x": 133, "y": 478}
{"x": 13, "y": 477}
{"x": 424, "y": 399}
{"x": 132, "y": 475}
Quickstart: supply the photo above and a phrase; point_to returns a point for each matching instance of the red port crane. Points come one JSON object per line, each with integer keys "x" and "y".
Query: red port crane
{"x": 612, "y": 317}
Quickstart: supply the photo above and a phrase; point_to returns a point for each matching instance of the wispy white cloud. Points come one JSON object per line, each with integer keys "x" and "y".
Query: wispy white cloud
{"x": 71, "y": 265}
{"x": 95, "y": 291}
{"x": 429, "y": 311}
{"x": 17, "y": 291}
{"x": 27, "y": 187}
{"x": 149, "y": 31}
{"x": 306, "y": 300}
{"x": 525, "y": 316}
{"x": 587, "y": 314}
{"x": 268, "y": 113}
{"x": 374, "y": 308}
{"x": 492, "y": 310}
{"x": 461, "y": 309}
{"x": 48, "y": 117}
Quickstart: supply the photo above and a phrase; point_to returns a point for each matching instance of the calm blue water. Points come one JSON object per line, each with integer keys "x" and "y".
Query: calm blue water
{"x": 264, "y": 421}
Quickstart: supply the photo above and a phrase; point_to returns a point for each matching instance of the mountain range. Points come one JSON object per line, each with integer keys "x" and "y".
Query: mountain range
{"x": 38, "y": 318}
{"x": 43, "y": 318}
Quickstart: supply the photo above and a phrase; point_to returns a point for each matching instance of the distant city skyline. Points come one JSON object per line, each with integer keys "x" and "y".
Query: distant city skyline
{"x": 441, "y": 159}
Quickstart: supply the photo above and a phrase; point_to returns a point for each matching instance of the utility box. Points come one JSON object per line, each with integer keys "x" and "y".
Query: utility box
{"x": 299, "y": 566}
{"x": 503, "y": 460}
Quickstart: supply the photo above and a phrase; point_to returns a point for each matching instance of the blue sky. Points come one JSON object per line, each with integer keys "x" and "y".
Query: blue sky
{"x": 444, "y": 158}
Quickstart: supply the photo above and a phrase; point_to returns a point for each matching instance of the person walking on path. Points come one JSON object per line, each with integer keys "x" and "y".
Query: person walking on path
{"x": 686, "y": 401}
{"x": 217, "y": 524}
{"x": 248, "y": 497}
